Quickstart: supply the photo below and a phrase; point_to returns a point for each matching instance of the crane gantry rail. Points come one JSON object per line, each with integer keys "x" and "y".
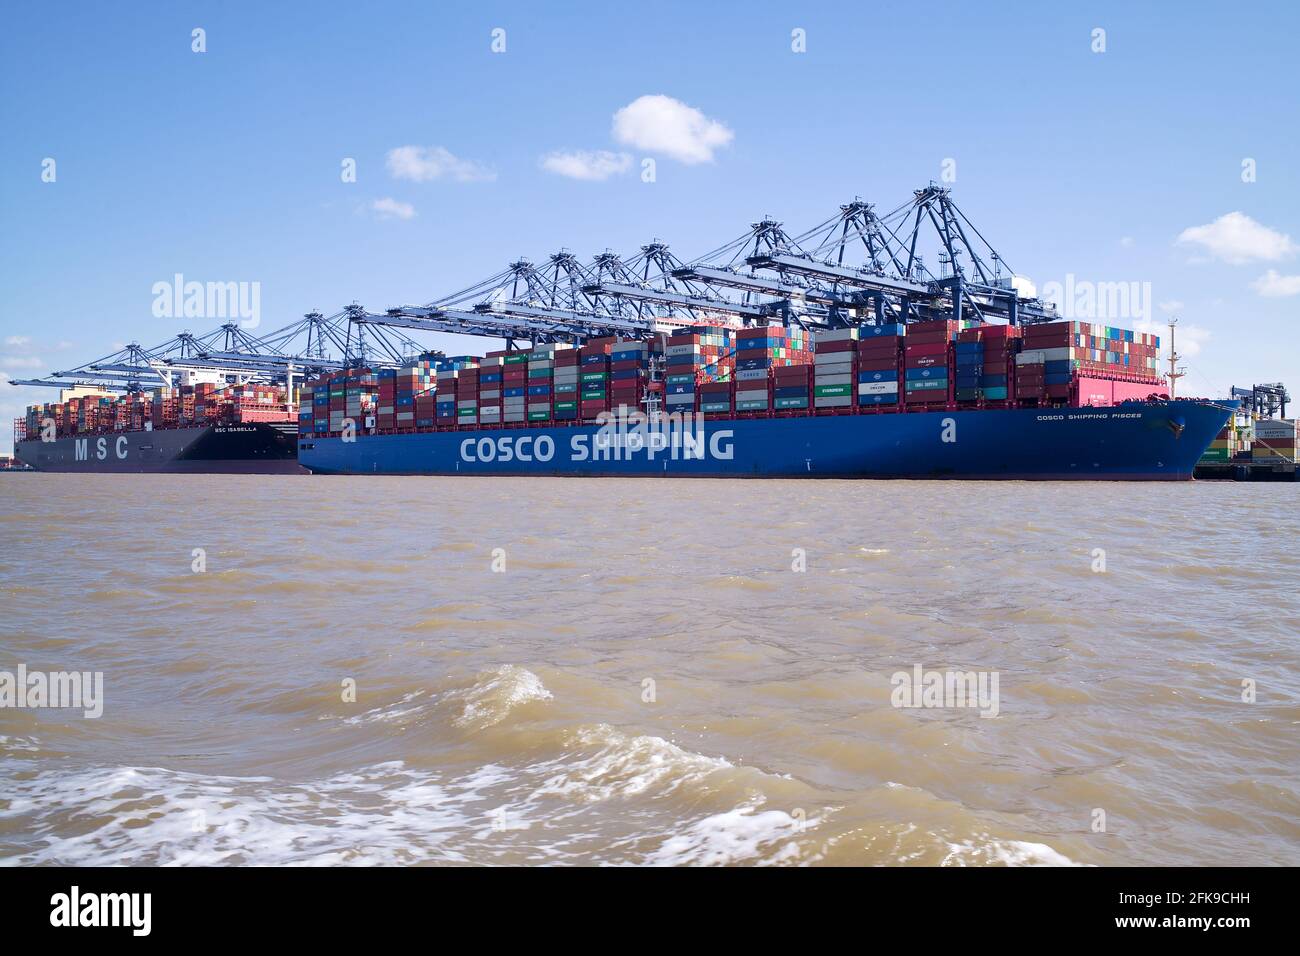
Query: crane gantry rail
{"x": 855, "y": 266}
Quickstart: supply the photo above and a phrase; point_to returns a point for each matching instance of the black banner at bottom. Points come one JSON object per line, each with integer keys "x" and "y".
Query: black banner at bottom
{"x": 339, "y": 904}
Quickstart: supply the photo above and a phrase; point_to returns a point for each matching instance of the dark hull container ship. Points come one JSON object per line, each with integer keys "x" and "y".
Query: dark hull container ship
{"x": 256, "y": 448}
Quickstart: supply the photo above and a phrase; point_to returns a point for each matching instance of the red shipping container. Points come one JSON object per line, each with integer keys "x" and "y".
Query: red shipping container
{"x": 843, "y": 345}
{"x": 927, "y": 348}
{"x": 876, "y": 351}
{"x": 791, "y": 374}
{"x": 877, "y": 365}
{"x": 926, "y": 361}
{"x": 927, "y": 338}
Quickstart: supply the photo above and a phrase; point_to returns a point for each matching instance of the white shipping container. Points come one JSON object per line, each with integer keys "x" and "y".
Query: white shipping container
{"x": 877, "y": 388}
{"x": 1275, "y": 428}
{"x": 751, "y": 395}
{"x": 832, "y": 358}
{"x": 836, "y": 335}
{"x": 845, "y": 379}
{"x": 752, "y": 375}
{"x": 675, "y": 350}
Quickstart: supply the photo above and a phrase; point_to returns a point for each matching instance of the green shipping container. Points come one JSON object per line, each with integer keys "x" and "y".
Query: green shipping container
{"x": 996, "y": 394}
{"x": 565, "y": 406}
{"x": 715, "y": 407}
{"x": 538, "y": 416}
{"x": 832, "y": 391}
{"x": 751, "y": 406}
{"x": 784, "y": 403}
{"x": 516, "y": 358}
{"x": 593, "y": 376}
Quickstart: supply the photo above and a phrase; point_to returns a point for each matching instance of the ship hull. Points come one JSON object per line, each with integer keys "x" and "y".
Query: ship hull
{"x": 1131, "y": 442}
{"x": 239, "y": 449}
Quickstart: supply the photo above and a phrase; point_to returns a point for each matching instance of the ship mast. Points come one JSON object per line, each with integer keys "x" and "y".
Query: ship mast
{"x": 1175, "y": 372}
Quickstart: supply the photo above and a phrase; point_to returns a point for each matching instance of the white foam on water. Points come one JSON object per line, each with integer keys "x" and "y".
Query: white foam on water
{"x": 384, "y": 814}
{"x": 19, "y": 744}
{"x": 990, "y": 851}
{"x": 491, "y": 699}
{"x": 622, "y": 766}
{"x": 738, "y": 835}
{"x": 388, "y": 713}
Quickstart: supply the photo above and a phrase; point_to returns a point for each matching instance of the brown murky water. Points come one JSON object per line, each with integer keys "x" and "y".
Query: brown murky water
{"x": 648, "y": 680}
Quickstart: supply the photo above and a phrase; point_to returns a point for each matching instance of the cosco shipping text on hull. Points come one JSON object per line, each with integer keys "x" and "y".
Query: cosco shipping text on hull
{"x": 1132, "y": 441}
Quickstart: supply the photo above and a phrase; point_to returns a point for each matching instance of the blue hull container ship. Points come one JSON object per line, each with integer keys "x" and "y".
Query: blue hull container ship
{"x": 1132, "y": 441}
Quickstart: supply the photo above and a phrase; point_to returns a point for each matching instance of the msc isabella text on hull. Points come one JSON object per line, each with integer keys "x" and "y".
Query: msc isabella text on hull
{"x": 246, "y": 448}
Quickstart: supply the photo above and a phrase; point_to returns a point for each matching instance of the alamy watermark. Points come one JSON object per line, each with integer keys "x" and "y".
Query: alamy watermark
{"x": 1087, "y": 301}
{"x": 179, "y": 299}
{"x": 24, "y": 689}
{"x": 945, "y": 689}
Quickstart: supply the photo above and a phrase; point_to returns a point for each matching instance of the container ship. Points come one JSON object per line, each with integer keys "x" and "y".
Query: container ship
{"x": 193, "y": 429}
{"x": 931, "y": 399}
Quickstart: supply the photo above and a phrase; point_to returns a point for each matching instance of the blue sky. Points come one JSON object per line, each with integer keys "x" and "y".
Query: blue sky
{"x": 225, "y": 165}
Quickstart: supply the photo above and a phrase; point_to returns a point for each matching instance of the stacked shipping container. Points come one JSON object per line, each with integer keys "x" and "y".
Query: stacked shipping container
{"x": 926, "y": 362}
{"x": 1275, "y": 441}
{"x": 566, "y": 384}
{"x": 691, "y": 358}
{"x": 629, "y": 374}
{"x": 1058, "y": 357}
{"x": 759, "y": 351}
{"x": 880, "y": 357}
{"x": 835, "y": 382}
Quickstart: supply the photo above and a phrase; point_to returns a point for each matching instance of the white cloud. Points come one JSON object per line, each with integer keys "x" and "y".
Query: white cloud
{"x": 423, "y": 163}
{"x": 661, "y": 124}
{"x": 17, "y": 340}
{"x": 587, "y": 165}
{"x": 390, "y": 208}
{"x": 1024, "y": 287}
{"x": 1236, "y": 238}
{"x": 1191, "y": 338}
{"x": 1126, "y": 242}
{"x": 1171, "y": 305}
{"x": 1273, "y": 285}
{"x": 20, "y": 361}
